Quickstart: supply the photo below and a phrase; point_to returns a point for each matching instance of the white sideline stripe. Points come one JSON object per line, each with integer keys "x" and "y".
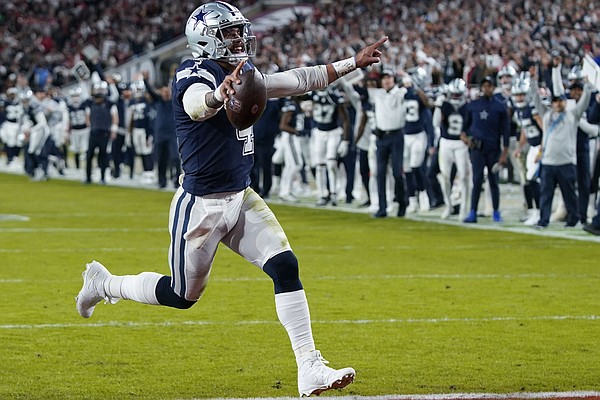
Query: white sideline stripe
{"x": 11, "y": 280}
{"x": 84, "y": 230}
{"x": 13, "y": 217}
{"x": 324, "y": 322}
{"x": 422, "y": 276}
{"x": 87, "y": 250}
{"x": 441, "y": 396}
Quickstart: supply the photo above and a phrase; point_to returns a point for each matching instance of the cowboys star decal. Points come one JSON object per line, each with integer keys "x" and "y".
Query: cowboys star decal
{"x": 483, "y": 115}
{"x": 200, "y": 16}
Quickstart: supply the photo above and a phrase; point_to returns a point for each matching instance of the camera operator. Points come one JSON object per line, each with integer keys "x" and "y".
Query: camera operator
{"x": 485, "y": 126}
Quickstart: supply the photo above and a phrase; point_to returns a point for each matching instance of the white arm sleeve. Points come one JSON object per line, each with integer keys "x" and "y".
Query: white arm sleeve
{"x": 296, "y": 81}
{"x": 194, "y": 102}
{"x": 113, "y": 93}
{"x": 557, "y": 84}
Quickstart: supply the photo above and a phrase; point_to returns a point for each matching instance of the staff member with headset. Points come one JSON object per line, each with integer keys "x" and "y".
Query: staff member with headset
{"x": 389, "y": 120}
{"x": 486, "y": 126}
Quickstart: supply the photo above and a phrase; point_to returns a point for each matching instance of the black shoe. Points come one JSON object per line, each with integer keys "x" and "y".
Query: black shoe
{"x": 380, "y": 214}
{"x": 591, "y": 229}
{"x": 366, "y": 204}
{"x": 435, "y": 206}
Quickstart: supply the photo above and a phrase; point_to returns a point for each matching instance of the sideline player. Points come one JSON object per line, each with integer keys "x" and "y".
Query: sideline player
{"x": 449, "y": 119}
{"x": 330, "y": 139}
{"x": 215, "y": 203}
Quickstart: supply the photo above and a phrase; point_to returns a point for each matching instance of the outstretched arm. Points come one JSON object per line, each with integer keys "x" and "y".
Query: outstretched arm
{"x": 302, "y": 80}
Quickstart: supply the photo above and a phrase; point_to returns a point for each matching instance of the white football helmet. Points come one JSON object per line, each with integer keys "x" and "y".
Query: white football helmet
{"x": 204, "y": 31}
{"x": 457, "y": 92}
{"x": 138, "y": 88}
{"x": 418, "y": 77}
{"x": 505, "y": 77}
{"x": 100, "y": 89}
{"x": 75, "y": 96}
{"x": 520, "y": 86}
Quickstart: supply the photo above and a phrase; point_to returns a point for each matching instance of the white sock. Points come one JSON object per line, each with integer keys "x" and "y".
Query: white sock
{"x": 140, "y": 288}
{"x": 292, "y": 311}
{"x": 321, "y": 180}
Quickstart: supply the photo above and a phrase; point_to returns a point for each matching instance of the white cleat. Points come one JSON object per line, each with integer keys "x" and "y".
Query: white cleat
{"x": 92, "y": 291}
{"x": 446, "y": 213}
{"x": 413, "y": 205}
{"x": 314, "y": 377}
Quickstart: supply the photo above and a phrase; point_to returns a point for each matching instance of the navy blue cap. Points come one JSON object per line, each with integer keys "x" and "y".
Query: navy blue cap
{"x": 559, "y": 97}
{"x": 488, "y": 78}
{"x": 576, "y": 84}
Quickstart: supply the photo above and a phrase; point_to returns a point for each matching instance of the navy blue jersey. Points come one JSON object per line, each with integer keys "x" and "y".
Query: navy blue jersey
{"x": 13, "y": 110}
{"x": 414, "y": 107}
{"x": 325, "y": 109}
{"x": 510, "y": 106}
{"x": 267, "y": 126}
{"x": 77, "y": 118}
{"x": 523, "y": 118}
{"x": 298, "y": 120}
{"x": 139, "y": 115}
{"x": 151, "y": 114}
{"x": 32, "y": 111}
{"x": 452, "y": 120}
{"x": 486, "y": 119}
{"x": 100, "y": 116}
{"x": 215, "y": 156}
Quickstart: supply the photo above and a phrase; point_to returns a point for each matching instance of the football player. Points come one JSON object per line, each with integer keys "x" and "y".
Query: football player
{"x": 292, "y": 125}
{"x": 529, "y": 124}
{"x": 139, "y": 129}
{"x": 330, "y": 139}
{"x": 36, "y": 132}
{"x": 10, "y": 131}
{"x": 103, "y": 119}
{"x": 79, "y": 131}
{"x": 586, "y": 137}
{"x": 449, "y": 118}
{"x": 506, "y": 77}
{"x": 416, "y": 141}
{"x": 215, "y": 203}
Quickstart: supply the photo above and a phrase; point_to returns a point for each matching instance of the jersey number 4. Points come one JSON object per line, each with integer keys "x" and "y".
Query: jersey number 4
{"x": 247, "y": 136}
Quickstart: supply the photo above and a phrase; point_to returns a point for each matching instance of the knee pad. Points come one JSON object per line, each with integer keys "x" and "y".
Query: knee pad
{"x": 283, "y": 269}
{"x": 167, "y": 297}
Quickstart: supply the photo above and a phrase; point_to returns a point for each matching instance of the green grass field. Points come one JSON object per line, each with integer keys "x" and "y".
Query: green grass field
{"x": 414, "y": 307}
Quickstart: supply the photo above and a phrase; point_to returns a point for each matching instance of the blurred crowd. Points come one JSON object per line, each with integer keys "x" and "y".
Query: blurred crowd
{"x": 431, "y": 45}
{"x": 463, "y": 39}
{"x": 43, "y": 39}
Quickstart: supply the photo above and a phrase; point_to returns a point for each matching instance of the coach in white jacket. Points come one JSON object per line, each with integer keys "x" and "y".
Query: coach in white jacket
{"x": 558, "y": 153}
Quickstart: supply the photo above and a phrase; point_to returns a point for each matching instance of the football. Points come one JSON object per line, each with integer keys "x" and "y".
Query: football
{"x": 246, "y": 106}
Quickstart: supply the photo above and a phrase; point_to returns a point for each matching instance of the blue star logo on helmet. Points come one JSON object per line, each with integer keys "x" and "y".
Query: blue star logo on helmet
{"x": 200, "y": 17}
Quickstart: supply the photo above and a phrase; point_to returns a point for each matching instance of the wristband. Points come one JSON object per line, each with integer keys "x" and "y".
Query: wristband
{"x": 218, "y": 96}
{"x": 114, "y": 128}
{"x": 343, "y": 67}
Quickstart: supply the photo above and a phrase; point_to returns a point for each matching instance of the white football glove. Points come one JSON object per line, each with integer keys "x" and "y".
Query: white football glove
{"x": 343, "y": 148}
